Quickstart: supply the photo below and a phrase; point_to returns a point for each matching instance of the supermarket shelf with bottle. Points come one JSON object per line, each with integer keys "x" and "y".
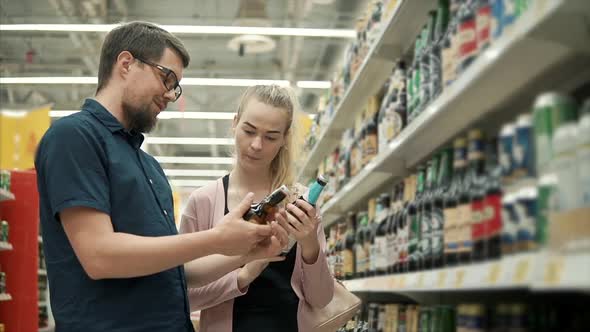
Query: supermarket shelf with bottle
{"x": 519, "y": 64}
{"x": 532, "y": 271}
{"x": 6, "y": 195}
{"x": 393, "y": 40}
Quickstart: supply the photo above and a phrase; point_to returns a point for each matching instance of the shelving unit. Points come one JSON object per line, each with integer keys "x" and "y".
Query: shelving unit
{"x": 5, "y": 297}
{"x": 6, "y": 195}
{"x": 393, "y": 40}
{"x": 42, "y": 272}
{"x": 532, "y": 271}
{"x": 519, "y": 64}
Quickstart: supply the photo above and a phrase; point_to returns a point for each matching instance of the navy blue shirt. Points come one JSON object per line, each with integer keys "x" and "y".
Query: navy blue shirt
{"x": 89, "y": 159}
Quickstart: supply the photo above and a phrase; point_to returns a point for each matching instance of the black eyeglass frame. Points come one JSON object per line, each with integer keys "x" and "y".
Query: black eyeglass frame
{"x": 167, "y": 71}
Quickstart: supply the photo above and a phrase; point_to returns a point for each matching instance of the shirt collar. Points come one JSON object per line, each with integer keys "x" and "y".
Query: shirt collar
{"x": 108, "y": 120}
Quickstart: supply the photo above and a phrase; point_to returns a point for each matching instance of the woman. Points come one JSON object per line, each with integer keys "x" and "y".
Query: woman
{"x": 262, "y": 296}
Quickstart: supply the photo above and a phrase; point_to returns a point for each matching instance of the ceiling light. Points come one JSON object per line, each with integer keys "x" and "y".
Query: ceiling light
{"x": 190, "y": 29}
{"x": 230, "y": 82}
{"x": 194, "y": 160}
{"x": 49, "y": 80}
{"x": 189, "y": 140}
{"x": 189, "y": 183}
{"x": 314, "y": 84}
{"x": 187, "y": 81}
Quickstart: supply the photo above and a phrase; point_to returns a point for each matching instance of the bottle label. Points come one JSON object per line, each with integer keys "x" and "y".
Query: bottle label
{"x": 426, "y": 236}
{"x": 527, "y": 211}
{"x": 450, "y": 240}
{"x": 477, "y": 220}
{"x": 348, "y": 261}
{"x": 467, "y": 39}
{"x": 483, "y": 22}
{"x": 510, "y": 224}
{"x": 381, "y": 252}
{"x": 435, "y": 71}
{"x": 492, "y": 214}
{"x": 464, "y": 228}
{"x": 437, "y": 231}
{"x": 360, "y": 258}
{"x": 448, "y": 68}
{"x": 391, "y": 253}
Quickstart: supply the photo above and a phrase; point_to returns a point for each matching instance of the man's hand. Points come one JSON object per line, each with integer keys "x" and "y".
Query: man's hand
{"x": 238, "y": 237}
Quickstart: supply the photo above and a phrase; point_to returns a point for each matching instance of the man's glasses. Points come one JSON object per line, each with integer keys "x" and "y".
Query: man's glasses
{"x": 170, "y": 80}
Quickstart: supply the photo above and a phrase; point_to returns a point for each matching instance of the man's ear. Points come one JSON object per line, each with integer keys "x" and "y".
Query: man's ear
{"x": 124, "y": 61}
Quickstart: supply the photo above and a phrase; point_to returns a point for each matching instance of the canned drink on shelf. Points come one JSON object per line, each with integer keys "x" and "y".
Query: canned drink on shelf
{"x": 527, "y": 210}
{"x": 524, "y": 152}
{"x": 549, "y": 110}
{"x": 5, "y": 231}
{"x": 505, "y": 151}
{"x": 546, "y": 189}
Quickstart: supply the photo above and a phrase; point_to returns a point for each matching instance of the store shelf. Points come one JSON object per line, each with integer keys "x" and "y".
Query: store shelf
{"x": 5, "y": 297}
{"x": 6, "y": 195}
{"x": 502, "y": 72}
{"x": 39, "y": 239}
{"x": 535, "y": 271}
{"x": 42, "y": 272}
{"x": 5, "y": 246}
{"x": 397, "y": 34}
{"x": 42, "y": 303}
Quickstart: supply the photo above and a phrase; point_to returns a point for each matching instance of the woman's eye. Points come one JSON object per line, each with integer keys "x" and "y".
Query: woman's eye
{"x": 249, "y": 132}
{"x": 271, "y": 138}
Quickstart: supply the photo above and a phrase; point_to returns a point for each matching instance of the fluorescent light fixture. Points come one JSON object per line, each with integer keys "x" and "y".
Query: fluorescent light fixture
{"x": 189, "y": 140}
{"x": 166, "y": 115}
{"x": 49, "y": 80}
{"x": 61, "y": 113}
{"x": 190, "y": 29}
{"x": 196, "y": 172}
{"x": 194, "y": 160}
{"x": 230, "y": 82}
{"x": 189, "y": 183}
{"x": 187, "y": 81}
{"x": 314, "y": 84}
{"x": 14, "y": 113}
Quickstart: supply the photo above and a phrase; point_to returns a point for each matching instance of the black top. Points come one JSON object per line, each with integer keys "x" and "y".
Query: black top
{"x": 270, "y": 305}
{"x": 89, "y": 160}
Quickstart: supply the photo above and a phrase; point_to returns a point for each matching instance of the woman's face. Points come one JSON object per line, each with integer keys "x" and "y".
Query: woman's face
{"x": 259, "y": 134}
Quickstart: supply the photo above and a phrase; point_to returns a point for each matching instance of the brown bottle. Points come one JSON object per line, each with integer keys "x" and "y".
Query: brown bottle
{"x": 260, "y": 212}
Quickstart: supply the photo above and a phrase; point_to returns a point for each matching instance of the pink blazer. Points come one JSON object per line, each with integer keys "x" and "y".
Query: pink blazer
{"x": 312, "y": 283}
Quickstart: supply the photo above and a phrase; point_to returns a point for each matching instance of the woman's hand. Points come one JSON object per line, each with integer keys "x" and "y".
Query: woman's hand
{"x": 302, "y": 223}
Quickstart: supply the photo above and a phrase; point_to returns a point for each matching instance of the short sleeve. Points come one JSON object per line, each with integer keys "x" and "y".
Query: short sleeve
{"x": 71, "y": 167}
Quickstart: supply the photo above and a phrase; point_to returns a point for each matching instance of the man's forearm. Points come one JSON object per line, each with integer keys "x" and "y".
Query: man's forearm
{"x": 202, "y": 271}
{"x": 122, "y": 255}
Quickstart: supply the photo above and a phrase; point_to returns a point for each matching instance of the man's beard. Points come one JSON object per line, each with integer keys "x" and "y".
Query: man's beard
{"x": 140, "y": 119}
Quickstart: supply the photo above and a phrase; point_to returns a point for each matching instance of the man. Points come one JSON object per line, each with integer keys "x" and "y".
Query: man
{"x": 114, "y": 257}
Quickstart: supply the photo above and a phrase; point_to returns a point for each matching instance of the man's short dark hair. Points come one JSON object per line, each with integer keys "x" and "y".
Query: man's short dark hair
{"x": 142, "y": 39}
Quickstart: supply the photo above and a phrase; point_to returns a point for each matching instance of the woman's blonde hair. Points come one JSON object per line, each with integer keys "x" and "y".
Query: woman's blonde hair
{"x": 282, "y": 166}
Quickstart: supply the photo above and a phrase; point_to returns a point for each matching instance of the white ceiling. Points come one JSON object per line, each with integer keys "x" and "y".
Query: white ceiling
{"x": 76, "y": 54}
